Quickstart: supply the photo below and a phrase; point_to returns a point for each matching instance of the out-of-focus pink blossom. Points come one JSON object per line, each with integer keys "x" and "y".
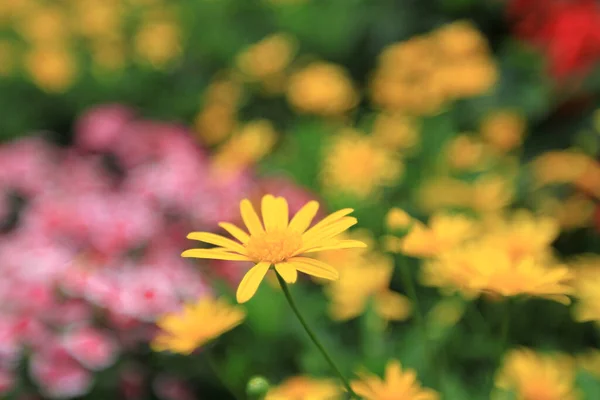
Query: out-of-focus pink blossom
{"x": 7, "y": 381}
{"x": 58, "y": 374}
{"x": 27, "y": 165}
{"x": 169, "y": 387}
{"x": 100, "y": 128}
{"x": 91, "y": 347}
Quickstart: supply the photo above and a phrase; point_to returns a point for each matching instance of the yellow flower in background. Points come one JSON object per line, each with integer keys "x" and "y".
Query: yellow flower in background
{"x": 397, "y": 384}
{"x": 268, "y": 57}
{"x": 360, "y": 283}
{"x": 587, "y": 289}
{"x": 465, "y": 152}
{"x": 217, "y": 119}
{"x": 522, "y": 235}
{"x": 277, "y": 242}
{"x": 247, "y": 146}
{"x": 574, "y": 212}
{"x": 560, "y": 166}
{"x": 504, "y": 130}
{"x": 344, "y": 258}
{"x": 420, "y": 75}
{"x": 445, "y": 313}
{"x": 322, "y": 88}
{"x": 397, "y": 218}
{"x": 44, "y": 25}
{"x": 305, "y": 388}
{"x": 534, "y": 376}
{"x": 158, "y": 42}
{"x": 95, "y": 19}
{"x": 482, "y": 267}
{"x": 196, "y": 325}
{"x": 460, "y": 39}
{"x": 357, "y": 165}
{"x": 490, "y": 194}
{"x": 108, "y": 55}
{"x": 444, "y": 233}
{"x": 52, "y": 69}
{"x": 396, "y": 131}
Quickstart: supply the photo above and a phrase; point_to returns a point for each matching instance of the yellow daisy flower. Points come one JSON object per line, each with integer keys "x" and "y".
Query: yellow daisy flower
{"x": 277, "y": 242}
{"x": 369, "y": 280}
{"x": 305, "y": 388}
{"x": 534, "y": 376}
{"x": 484, "y": 268}
{"x": 443, "y": 233}
{"x": 196, "y": 324}
{"x": 397, "y": 384}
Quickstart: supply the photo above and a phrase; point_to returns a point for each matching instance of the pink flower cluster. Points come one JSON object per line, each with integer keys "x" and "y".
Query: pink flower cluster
{"x": 90, "y": 243}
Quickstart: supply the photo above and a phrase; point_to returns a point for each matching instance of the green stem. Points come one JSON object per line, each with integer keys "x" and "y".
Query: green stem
{"x": 217, "y": 371}
{"x": 505, "y": 329}
{"x": 411, "y": 291}
{"x": 312, "y": 336}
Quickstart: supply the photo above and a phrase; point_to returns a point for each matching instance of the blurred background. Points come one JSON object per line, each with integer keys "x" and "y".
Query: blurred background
{"x": 126, "y": 124}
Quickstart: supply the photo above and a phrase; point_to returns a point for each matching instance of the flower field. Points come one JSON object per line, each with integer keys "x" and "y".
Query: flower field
{"x": 300, "y": 199}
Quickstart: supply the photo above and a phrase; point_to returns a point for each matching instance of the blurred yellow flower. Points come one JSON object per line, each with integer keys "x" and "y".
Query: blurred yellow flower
{"x": 344, "y": 258}
{"x": 560, "y": 166}
{"x": 52, "y": 69}
{"x": 217, "y": 118}
{"x": 587, "y": 289}
{"x": 522, "y": 235}
{"x": 445, "y": 313}
{"x": 322, "y": 88}
{"x": 482, "y": 267}
{"x": 158, "y": 42}
{"x": 444, "y": 233}
{"x": 44, "y": 25}
{"x": 420, "y": 75}
{"x": 357, "y": 165}
{"x": 533, "y": 376}
{"x": 360, "y": 283}
{"x": 196, "y": 325}
{"x": 465, "y": 153}
{"x": 108, "y": 55}
{"x": 247, "y": 146}
{"x": 490, "y": 194}
{"x": 396, "y": 131}
{"x": 504, "y": 130}
{"x": 573, "y": 212}
{"x": 277, "y": 242}
{"x": 397, "y": 384}
{"x": 397, "y": 218}
{"x": 95, "y": 19}
{"x": 268, "y": 57}
{"x": 305, "y": 388}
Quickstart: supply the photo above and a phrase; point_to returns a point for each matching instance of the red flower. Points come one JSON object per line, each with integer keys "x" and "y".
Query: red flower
{"x": 566, "y": 30}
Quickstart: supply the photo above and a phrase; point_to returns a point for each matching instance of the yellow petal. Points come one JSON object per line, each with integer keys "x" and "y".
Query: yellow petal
{"x": 313, "y": 237}
{"x": 304, "y": 217}
{"x": 287, "y": 272}
{"x": 314, "y": 267}
{"x": 251, "y": 281}
{"x": 235, "y": 232}
{"x": 213, "y": 254}
{"x": 282, "y": 213}
{"x": 269, "y": 214}
{"x": 330, "y": 219}
{"x": 217, "y": 240}
{"x": 341, "y": 244}
{"x": 251, "y": 218}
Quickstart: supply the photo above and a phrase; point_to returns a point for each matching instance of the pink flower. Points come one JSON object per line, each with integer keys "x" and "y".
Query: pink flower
{"x": 94, "y": 349}
{"x": 27, "y": 165}
{"x": 99, "y": 129}
{"x": 58, "y": 374}
{"x": 172, "y": 388}
{"x": 7, "y": 381}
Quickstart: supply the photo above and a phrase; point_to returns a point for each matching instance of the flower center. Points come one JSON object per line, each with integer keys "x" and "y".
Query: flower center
{"x": 274, "y": 247}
